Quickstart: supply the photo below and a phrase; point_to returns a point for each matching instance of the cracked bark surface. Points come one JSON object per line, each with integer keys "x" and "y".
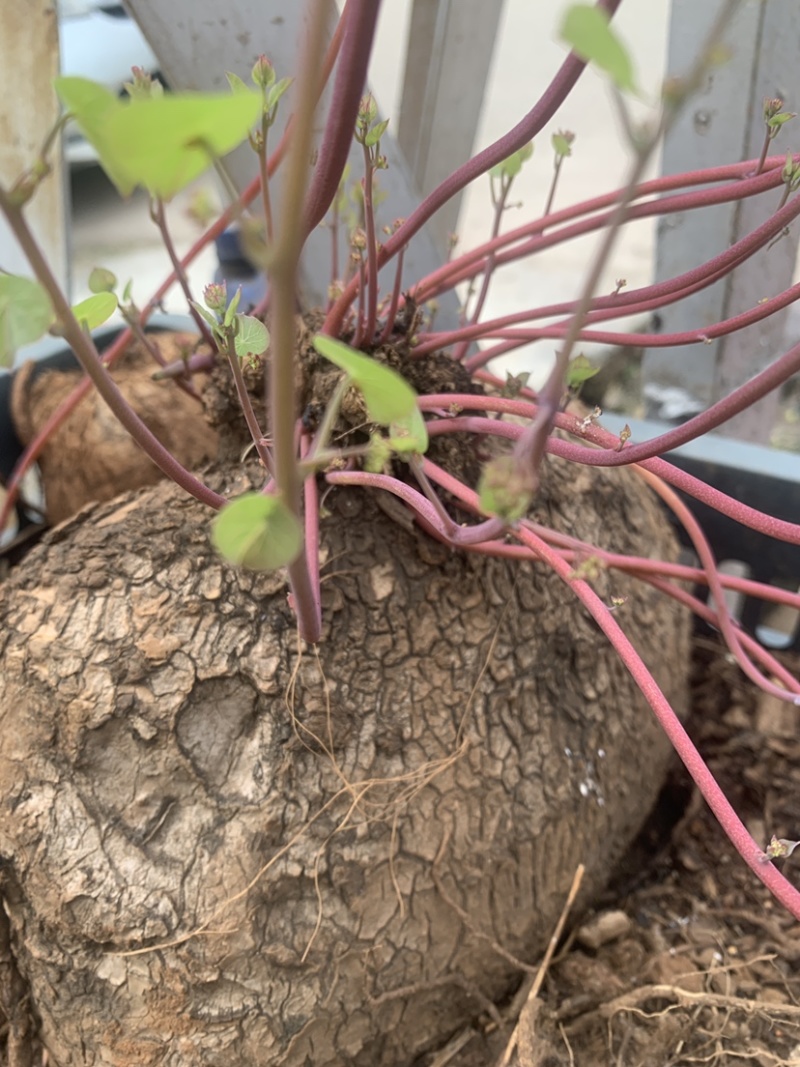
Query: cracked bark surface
{"x": 91, "y": 456}
{"x": 165, "y": 740}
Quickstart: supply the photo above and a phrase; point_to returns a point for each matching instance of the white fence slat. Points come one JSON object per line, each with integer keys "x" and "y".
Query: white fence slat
{"x": 197, "y": 41}
{"x": 28, "y": 65}
{"x": 723, "y": 123}
{"x": 447, "y": 65}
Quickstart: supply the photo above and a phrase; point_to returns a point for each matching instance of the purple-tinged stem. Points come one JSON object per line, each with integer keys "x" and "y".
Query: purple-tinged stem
{"x": 358, "y": 20}
{"x": 705, "y": 555}
{"x": 84, "y": 349}
{"x": 394, "y": 303}
{"x": 694, "y": 487}
{"x": 640, "y": 299}
{"x": 541, "y": 234}
{"x": 499, "y": 203}
{"x": 460, "y": 536}
{"x": 159, "y": 217}
{"x": 372, "y": 249}
{"x": 197, "y": 363}
{"x": 730, "y": 822}
{"x": 256, "y": 433}
{"x": 651, "y": 571}
{"x": 525, "y": 130}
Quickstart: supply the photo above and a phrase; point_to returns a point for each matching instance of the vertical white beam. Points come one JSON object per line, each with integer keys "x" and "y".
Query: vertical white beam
{"x": 723, "y": 123}
{"x": 197, "y": 41}
{"x": 450, "y": 47}
{"x": 28, "y": 65}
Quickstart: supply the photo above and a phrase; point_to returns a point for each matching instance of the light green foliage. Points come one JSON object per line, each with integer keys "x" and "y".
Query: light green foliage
{"x": 251, "y": 338}
{"x": 505, "y": 489}
{"x": 791, "y": 173}
{"x": 95, "y": 310}
{"x": 378, "y": 454}
{"x": 389, "y": 398}
{"x": 368, "y": 130}
{"x": 102, "y": 280}
{"x": 774, "y": 117}
{"x": 236, "y": 83}
{"x": 269, "y": 90}
{"x": 275, "y": 93}
{"x": 250, "y": 335}
{"x": 511, "y": 166}
{"x": 161, "y": 143}
{"x": 580, "y": 370}
{"x": 562, "y": 143}
{"x": 258, "y": 532}
{"x": 375, "y": 134}
{"x": 588, "y": 31}
{"x": 25, "y": 314}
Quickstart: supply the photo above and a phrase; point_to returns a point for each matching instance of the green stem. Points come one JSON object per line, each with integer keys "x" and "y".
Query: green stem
{"x": 259, "y": 441}
{"x": 264, "y": 171}
{"x": 283, "y": 278}
{"x": 158, "y": 215}
{"x": 372, "y": 248}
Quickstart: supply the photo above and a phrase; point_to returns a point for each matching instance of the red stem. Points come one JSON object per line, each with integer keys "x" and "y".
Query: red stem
{"x": 622, "y": 302}
{"x": 357, "y": 25}
{"x": 547, "y": 106}
{"x": 730, "y": 822}
{"x": 738, "y": 187}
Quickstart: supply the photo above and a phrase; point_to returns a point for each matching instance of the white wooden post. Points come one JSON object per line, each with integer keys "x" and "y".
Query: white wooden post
{"x": 724, "y": 123}
{"x": 447, "y": 64}
{"x": 28, "y": 65}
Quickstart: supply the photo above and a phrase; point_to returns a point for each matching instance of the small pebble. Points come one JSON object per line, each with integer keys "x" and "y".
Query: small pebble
{"x": 609, "y": 926}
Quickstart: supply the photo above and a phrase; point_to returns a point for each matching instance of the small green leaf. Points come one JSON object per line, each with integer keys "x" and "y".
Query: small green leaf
{"x": 587, "y": 30}
{"x": 409, "y": 434}
{"x": 562, "y": 143}
{"x": 258, "y": 532}
{"x": 102, "y": 280}
{"x": 777, "y": 121}
{"x": 205, "y": 314}
{"x": 252, "y": 336}
{"x": 95, "y": 310}
{"x": 378, "y": 454}
{"x": 160, "y": 143}
{"x": 25, "y": 314}
{"x": 236, "y": 83}
{"x": 276, "y": 92}
{"x": 511, "y": 166}
{"x": 388, "y": 396}
{"x": 505, "y": 489}
{"x": 375, "y": 134}
{"x": 93, "y": 107}
{"x": 580, "y": 370}
{"x": 231, "y": 309}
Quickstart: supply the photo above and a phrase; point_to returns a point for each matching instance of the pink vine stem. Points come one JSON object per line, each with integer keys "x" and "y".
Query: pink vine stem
{"x": 732, "y": 826}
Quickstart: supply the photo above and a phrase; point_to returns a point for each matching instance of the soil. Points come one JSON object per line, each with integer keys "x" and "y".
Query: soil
{"x": 700, "y": 965}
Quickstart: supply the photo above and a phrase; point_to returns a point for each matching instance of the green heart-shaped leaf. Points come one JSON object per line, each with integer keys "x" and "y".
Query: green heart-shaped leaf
{"x": 389, "y": 398}
{"x": 258, "y": 532}
{"x": 162, "y": 143}
{"x": 95, "y": 310}
{"x": 25, "y": 314}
